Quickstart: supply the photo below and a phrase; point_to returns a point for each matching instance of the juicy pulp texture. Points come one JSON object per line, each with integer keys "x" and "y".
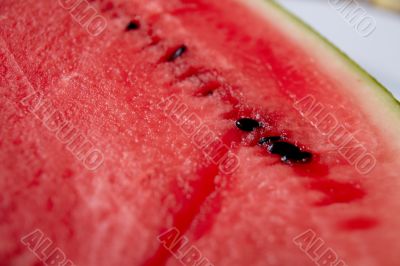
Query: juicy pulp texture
{"x": 238, "y": 62}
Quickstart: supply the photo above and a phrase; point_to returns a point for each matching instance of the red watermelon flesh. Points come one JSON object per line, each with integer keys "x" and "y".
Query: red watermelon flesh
{"x": 147, "y": 93}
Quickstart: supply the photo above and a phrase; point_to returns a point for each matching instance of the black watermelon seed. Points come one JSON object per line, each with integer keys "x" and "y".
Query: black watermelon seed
{"x": 269, "y": 140}
{"x": 247, "y": 124}
{"x": 289, "y": 152}
{"x": 283, "y": 149}
{"x": 300, "y": 157}
{"x": 132, "y": 25}
{"x": 177, "y": 53}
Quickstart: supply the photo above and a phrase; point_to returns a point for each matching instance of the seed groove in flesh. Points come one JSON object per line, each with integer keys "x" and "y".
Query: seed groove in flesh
{"x": 177, "y": 53}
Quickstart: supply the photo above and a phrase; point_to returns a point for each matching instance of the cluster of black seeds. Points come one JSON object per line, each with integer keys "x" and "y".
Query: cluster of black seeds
{"x": 288, "y": 152}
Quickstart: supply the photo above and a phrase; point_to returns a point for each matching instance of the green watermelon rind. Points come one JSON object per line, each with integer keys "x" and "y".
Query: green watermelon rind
{"x": 361, "y": 71}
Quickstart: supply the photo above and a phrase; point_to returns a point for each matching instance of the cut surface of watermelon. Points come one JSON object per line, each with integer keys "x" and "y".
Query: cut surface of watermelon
{"x": 192, "y": 132}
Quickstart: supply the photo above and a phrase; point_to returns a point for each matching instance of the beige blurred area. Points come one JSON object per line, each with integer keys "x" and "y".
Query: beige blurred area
{"x": 393, "y": 5}
{"x": 389, "y": 4}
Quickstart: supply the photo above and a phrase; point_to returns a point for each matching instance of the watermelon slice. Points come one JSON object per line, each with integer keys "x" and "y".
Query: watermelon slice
{"x": 192, "y": 132}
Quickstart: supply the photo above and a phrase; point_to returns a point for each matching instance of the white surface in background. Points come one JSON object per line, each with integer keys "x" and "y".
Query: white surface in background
{"x": 378, "y": 53}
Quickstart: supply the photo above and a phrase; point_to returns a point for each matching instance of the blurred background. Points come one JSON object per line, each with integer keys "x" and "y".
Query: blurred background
{"x": 368, "y": 31}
